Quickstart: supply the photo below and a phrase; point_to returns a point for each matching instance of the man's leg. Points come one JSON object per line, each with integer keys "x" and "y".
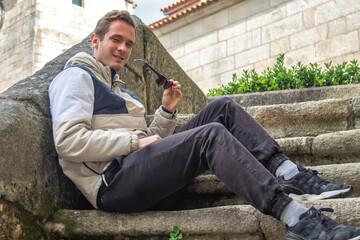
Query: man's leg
{"x": 244, "y": 128}
{"x": 301, "y": 183}
{"x": 162, "y": 168}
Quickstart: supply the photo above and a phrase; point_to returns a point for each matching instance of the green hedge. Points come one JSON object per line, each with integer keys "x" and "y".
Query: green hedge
{"x": 299, "y": 76}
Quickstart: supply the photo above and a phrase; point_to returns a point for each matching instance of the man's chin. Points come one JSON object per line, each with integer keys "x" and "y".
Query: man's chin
{"x": 116, "y": 67}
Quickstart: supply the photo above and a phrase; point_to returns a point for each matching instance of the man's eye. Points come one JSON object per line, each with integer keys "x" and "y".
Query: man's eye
{"x": 116, "y": 40}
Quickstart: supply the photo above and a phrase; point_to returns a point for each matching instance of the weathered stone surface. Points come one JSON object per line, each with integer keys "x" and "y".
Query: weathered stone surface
{"x": 296, "y": 95}
{"x": 296, "y": 145}
{"x": 30, "y": 174}
{"x": 240, "y": 221}
{"x": 356, "y": 110}
{"x": 348, "y": 172}
{"x": 209, "y": 223}
{"x": 338, "y": 143}
{"x": 304, "y": 119}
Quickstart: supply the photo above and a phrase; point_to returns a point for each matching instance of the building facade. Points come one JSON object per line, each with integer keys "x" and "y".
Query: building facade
{"x": 36, "y": 31}
{"x": 212, "y": 39}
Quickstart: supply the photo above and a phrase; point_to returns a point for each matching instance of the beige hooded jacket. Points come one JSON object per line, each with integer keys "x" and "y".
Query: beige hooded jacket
{"x": 95, "y": 121}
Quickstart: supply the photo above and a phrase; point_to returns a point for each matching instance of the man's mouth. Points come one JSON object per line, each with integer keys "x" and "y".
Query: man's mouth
{"x": 120, "y": 58}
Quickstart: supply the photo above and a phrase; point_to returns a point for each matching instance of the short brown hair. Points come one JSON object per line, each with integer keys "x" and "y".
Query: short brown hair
{"x": 102, "y": 25}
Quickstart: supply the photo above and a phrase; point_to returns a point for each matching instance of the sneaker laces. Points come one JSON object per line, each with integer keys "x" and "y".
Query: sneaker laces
{"x": 318, "y": 216}
{"x": 316, "y": 173}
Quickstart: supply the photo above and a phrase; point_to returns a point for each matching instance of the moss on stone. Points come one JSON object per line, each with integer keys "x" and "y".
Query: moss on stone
{"x": 69, "y": 223}
{"x": 47, "y": 206}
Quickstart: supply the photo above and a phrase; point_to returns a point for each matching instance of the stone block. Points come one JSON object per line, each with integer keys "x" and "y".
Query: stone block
{"x": 239, "y": 43}
{"x": 264, "y": 64}
{"x": 293, "y": 7}
{"x": 353, "y": 21}
{"x": 337, "y": 27}
{"x": 336, "y": 9}
{"x": 274, "y": 3}
{"x": 216, "y": 21}
{"x": 308, "y": 37}
{"x": 209, "y": 83}
{"x": 252, "y": 56}
{"x": 282, "y": 28}
{"x": 246, "y": 9}
{"x": 267, "y": 17}
{"x": 190, "y": 31}
{"x": 337, "y": 143}
{"x": 304, "y": 119}
{"x": 218, "y": 67}
{"x": 213, "y": 53}
{"x": 197, "y": 74}
{"x": 256, "y": 37}
{"x": 304, "y": 55}
{"x": 279, "y": 46}
{"x": 200, "y": 43}
{"x": 177, "y": 52}
{"x": 337, "y": 46}
{"x": 309, "y": 18}
{"x": 233, "y": 30}
{"x": 190, "y": 61}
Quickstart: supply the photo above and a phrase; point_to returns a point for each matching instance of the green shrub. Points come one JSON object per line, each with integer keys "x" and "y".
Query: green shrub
{"x": 296, "y": 77}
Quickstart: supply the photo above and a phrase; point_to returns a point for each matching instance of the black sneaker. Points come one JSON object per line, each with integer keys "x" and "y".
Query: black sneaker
{"x": 314, "y": 225}
{"x": 308, "y": 186}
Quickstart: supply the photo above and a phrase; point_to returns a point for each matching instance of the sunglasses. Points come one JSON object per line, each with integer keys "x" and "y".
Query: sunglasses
{"x": 161, "y": 79}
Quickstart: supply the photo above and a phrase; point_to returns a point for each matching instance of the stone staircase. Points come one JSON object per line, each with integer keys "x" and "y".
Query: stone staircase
{"x": 315, "y": 127}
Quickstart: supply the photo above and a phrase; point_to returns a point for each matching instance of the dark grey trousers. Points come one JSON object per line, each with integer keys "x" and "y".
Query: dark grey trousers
{"x": 222, "y": 137}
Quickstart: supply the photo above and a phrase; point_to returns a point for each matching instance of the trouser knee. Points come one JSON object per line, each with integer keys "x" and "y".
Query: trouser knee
{"x": 223, "y": 101}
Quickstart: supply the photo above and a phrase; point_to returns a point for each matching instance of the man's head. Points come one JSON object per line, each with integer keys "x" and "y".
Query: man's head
{"x": 113, "y": 39}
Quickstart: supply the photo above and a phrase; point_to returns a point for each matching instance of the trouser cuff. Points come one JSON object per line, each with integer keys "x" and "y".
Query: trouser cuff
{"x": 279, "y": 204}
{"x": 276, "y": 161}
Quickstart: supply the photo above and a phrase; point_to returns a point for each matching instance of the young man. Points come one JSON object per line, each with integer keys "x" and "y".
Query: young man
{"x": 121, "y": 165}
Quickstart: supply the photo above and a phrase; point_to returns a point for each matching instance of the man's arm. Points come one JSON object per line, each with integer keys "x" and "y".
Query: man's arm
{"x": 164, "y": 121}
{"x": 71, "y": 103}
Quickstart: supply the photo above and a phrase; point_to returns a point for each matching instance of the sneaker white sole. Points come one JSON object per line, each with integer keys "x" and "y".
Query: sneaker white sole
{"x": 313, "y": 197}
{"x": 355, "y": 238}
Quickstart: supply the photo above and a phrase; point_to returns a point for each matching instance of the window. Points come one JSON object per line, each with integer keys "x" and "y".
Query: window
{"x": 78, "y": 2}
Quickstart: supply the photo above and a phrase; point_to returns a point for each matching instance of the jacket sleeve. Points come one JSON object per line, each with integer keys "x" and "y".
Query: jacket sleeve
{"x": 71, "y": 95}
{"x": 163, "y": 124}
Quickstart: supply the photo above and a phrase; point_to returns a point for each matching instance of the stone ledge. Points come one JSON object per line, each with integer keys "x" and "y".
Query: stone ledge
{"x": 349, "y": 173}
{"x": 296, "y": 95}
{"x": 305, "y": 119}
{"x": 230, "y": 222}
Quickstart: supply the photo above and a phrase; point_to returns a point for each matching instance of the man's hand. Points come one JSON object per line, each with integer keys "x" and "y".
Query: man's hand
{"x": 147, "y": 140}
{"x": 172, "y": 96}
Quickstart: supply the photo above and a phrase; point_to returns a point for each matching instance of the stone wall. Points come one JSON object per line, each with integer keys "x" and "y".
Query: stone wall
{"x": 212, "y": 45}
{"x": 34, "y": 32}
{"x": 16, "y": 41}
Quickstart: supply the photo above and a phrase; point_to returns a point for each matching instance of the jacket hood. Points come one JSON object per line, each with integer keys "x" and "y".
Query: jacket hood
{"x": 102, "y": 72}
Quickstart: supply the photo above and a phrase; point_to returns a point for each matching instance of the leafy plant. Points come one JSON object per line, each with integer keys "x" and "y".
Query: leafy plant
{"x": 176, "y": 234}
{"x": 296, "y": 77}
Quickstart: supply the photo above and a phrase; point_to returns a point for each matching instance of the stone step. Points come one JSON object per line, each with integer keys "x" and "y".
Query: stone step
{"x": 305, "y": 119}
{"x": 330, "y": 148}
{"x": 218, "y": 223}
{"x": 334, "y": 147}
{"x": 209, "y": 191}
{"x": 301, "y": 119}
{"x": 296, "y": 95}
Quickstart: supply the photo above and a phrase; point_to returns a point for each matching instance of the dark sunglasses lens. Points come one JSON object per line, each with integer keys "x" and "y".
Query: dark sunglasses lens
{"x": 160, "y": 80}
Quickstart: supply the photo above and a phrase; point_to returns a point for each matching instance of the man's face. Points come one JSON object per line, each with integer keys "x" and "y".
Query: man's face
{"x": 115, "y": 49}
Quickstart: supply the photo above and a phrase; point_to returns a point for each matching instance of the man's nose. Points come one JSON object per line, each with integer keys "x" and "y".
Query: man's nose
{"x": 121, "y": 47}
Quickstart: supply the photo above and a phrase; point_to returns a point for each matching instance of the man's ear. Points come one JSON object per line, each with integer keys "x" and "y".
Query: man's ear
{"x": 95, "y": 40}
